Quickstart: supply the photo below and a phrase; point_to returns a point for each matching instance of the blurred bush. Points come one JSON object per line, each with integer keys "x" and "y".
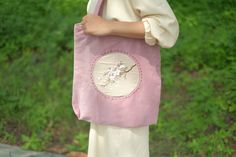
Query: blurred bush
{"x": 36, "y": 72}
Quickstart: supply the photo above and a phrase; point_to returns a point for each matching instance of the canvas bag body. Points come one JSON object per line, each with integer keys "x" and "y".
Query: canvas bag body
{"x": 133, "y": 100}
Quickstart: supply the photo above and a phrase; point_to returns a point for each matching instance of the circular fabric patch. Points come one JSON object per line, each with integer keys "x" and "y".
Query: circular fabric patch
{"x": 115, "y": 74}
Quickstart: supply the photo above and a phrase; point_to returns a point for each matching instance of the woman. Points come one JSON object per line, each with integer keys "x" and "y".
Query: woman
{"x": 151, "y": 20}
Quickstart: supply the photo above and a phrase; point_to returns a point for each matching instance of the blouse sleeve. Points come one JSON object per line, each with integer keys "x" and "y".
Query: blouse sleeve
{"x": 161, "y": 25}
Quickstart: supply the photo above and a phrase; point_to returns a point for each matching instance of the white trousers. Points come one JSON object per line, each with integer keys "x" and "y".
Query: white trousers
{"x": 112, "y": 141}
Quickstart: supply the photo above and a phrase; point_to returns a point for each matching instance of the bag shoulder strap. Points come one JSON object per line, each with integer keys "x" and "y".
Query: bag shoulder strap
{"x": 99, "y": 7}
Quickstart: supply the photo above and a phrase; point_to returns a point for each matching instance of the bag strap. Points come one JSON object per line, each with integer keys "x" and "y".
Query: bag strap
{"x": 99, "y": 7}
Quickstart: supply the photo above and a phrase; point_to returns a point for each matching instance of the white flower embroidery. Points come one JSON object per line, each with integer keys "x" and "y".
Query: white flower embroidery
{"x": 112, "y": 74}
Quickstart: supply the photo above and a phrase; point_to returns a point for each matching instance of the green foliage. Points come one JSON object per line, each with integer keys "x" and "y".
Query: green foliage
{"x": 80, "y": 142}
{"x": 198, "y": 107}
{"x": 36, "y": 69}
{"x": 197, "y": 114}
{"x": 36, "y": 141}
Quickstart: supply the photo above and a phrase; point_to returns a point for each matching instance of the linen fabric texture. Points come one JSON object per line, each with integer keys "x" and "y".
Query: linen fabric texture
{"x": 113, "y": 141}
{"x": 138, "y": 108}
{"x": 108, "y": 140}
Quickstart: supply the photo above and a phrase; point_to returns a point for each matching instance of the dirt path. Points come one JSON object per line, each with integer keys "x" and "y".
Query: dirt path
{"x": 13, "y": 151}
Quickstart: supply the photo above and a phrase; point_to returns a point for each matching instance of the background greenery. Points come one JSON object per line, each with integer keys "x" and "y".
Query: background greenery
{"x": 198, "y": 108}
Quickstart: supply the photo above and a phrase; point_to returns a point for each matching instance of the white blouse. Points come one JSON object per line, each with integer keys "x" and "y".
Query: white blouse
{"x": 161, "y": 27}
{"x": 160, "y": 23}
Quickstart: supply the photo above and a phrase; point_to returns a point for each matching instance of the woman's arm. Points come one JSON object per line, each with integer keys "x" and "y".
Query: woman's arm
{"x": 127, "y": 29}
{"x": 96, "y": 25}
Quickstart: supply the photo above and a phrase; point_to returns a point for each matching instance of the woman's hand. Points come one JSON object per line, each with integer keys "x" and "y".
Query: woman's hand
{"x": 95, "y": 25}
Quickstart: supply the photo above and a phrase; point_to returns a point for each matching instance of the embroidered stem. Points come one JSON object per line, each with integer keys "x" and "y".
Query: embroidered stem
{"x": 114, "y": 73}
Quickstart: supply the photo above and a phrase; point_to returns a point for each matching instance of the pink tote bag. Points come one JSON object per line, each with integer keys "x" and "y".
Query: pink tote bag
{"x": 116, "y": 80}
